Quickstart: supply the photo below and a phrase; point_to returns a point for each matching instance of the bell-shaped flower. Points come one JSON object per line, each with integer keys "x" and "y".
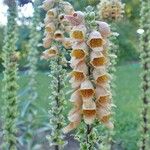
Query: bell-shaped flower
{"x": 71, "y": 126}
{"x": 67, "y": 43}
{"x": 47, "y": 41}
{"x": 76, "y": 99}
{"x": 78, "y": 33}
{"x": 103, "y": 115}
{"x": 50, "y": 28}
{"x": 87, "y": 90}
{"x": 78, "y": 53}
{"x": 59, "y": 35}
{"x": 48, "y": 4}
{"x": 102, "y": 95}
{"x": 89, "y": 112}
{"x": 75, "y": 115}
{"x": 97, "y": 59}
{"x": 101, "y": 77}
{"x": 51, "y": 52}
{"x": 104, "y": 29}
{"x": 52, "y": 13}
{"x": 78, "y": 74}
{"x": 96, "y": 41}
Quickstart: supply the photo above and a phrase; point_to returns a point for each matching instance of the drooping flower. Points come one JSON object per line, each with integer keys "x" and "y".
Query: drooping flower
{"x": 95, "y": 41}
{"x": 78, "y": 75}
{"x": 102, "y": 95}
{"x": 78, "y": 33}
{"x": 97, "y": 59}
{"x": 100, "y": 76}
{"x": 51, "y": 52}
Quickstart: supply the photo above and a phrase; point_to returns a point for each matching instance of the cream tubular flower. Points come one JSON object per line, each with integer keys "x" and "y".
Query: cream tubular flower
{"x": 51, "y": 52}
{"x": 48, "y": 4}
{"x": 97, "y": 59}
{"x": 76, "y": 99}
{"x": 71, "y": 126}
{"x": 78, "y": 75}
{"x": 103, "y": 96}
{"x": 103, "y": 114}
{"x": 52, "y": 13}
{"x": 101, "y": 76}
{"x": 104, "y": 29}
{"x": 87, "y": 90}
{"x": 50, "y": 28}
{"x": 59, "y": 35}
{"x": 89, "y": 113}
{"x": 79, "y": 53}
{"x": 78, "y": 33}
{"x": 96, "y": 41}
{"x": 67, "y": 43}
{"x": 75, "y": 115}
{"x": 47, "y": 41}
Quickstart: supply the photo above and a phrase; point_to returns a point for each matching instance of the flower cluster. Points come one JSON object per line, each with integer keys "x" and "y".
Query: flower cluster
{"x": 89, "y": 78}
{"x": 56, "y": 26}
{"x": 56, "y": 42}
{"x": 111, "y": 9}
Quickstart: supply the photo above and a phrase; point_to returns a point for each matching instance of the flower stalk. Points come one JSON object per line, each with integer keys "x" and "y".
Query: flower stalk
{"x": 56, "y": 42}
{"x": 10, "y": 58}
{"x": 89, "y": 79}
{"x": 145, "y": 63}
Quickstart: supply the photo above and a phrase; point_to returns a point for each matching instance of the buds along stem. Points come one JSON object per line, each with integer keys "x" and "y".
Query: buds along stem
{"x": 56, "y": 42}
{"x": 145, "y": 63}
{"x": 10, "y": 58}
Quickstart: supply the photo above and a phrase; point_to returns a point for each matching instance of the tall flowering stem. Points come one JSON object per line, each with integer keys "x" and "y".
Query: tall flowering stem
{"x": 10, "y": 86}
{"x": 145, "y": 63}
{"x": 29, "y": 110}
{"x": 89, "y": 79}
{"x": 112, "y": 11}
{"x": 56, "y": 42}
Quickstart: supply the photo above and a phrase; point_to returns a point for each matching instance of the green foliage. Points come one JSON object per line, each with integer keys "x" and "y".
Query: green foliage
{"x": 145, "y": 63}
{"x": 88, "y": 141}
{"x": 10, "y": 81}
{"x": 57, "y": 101}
